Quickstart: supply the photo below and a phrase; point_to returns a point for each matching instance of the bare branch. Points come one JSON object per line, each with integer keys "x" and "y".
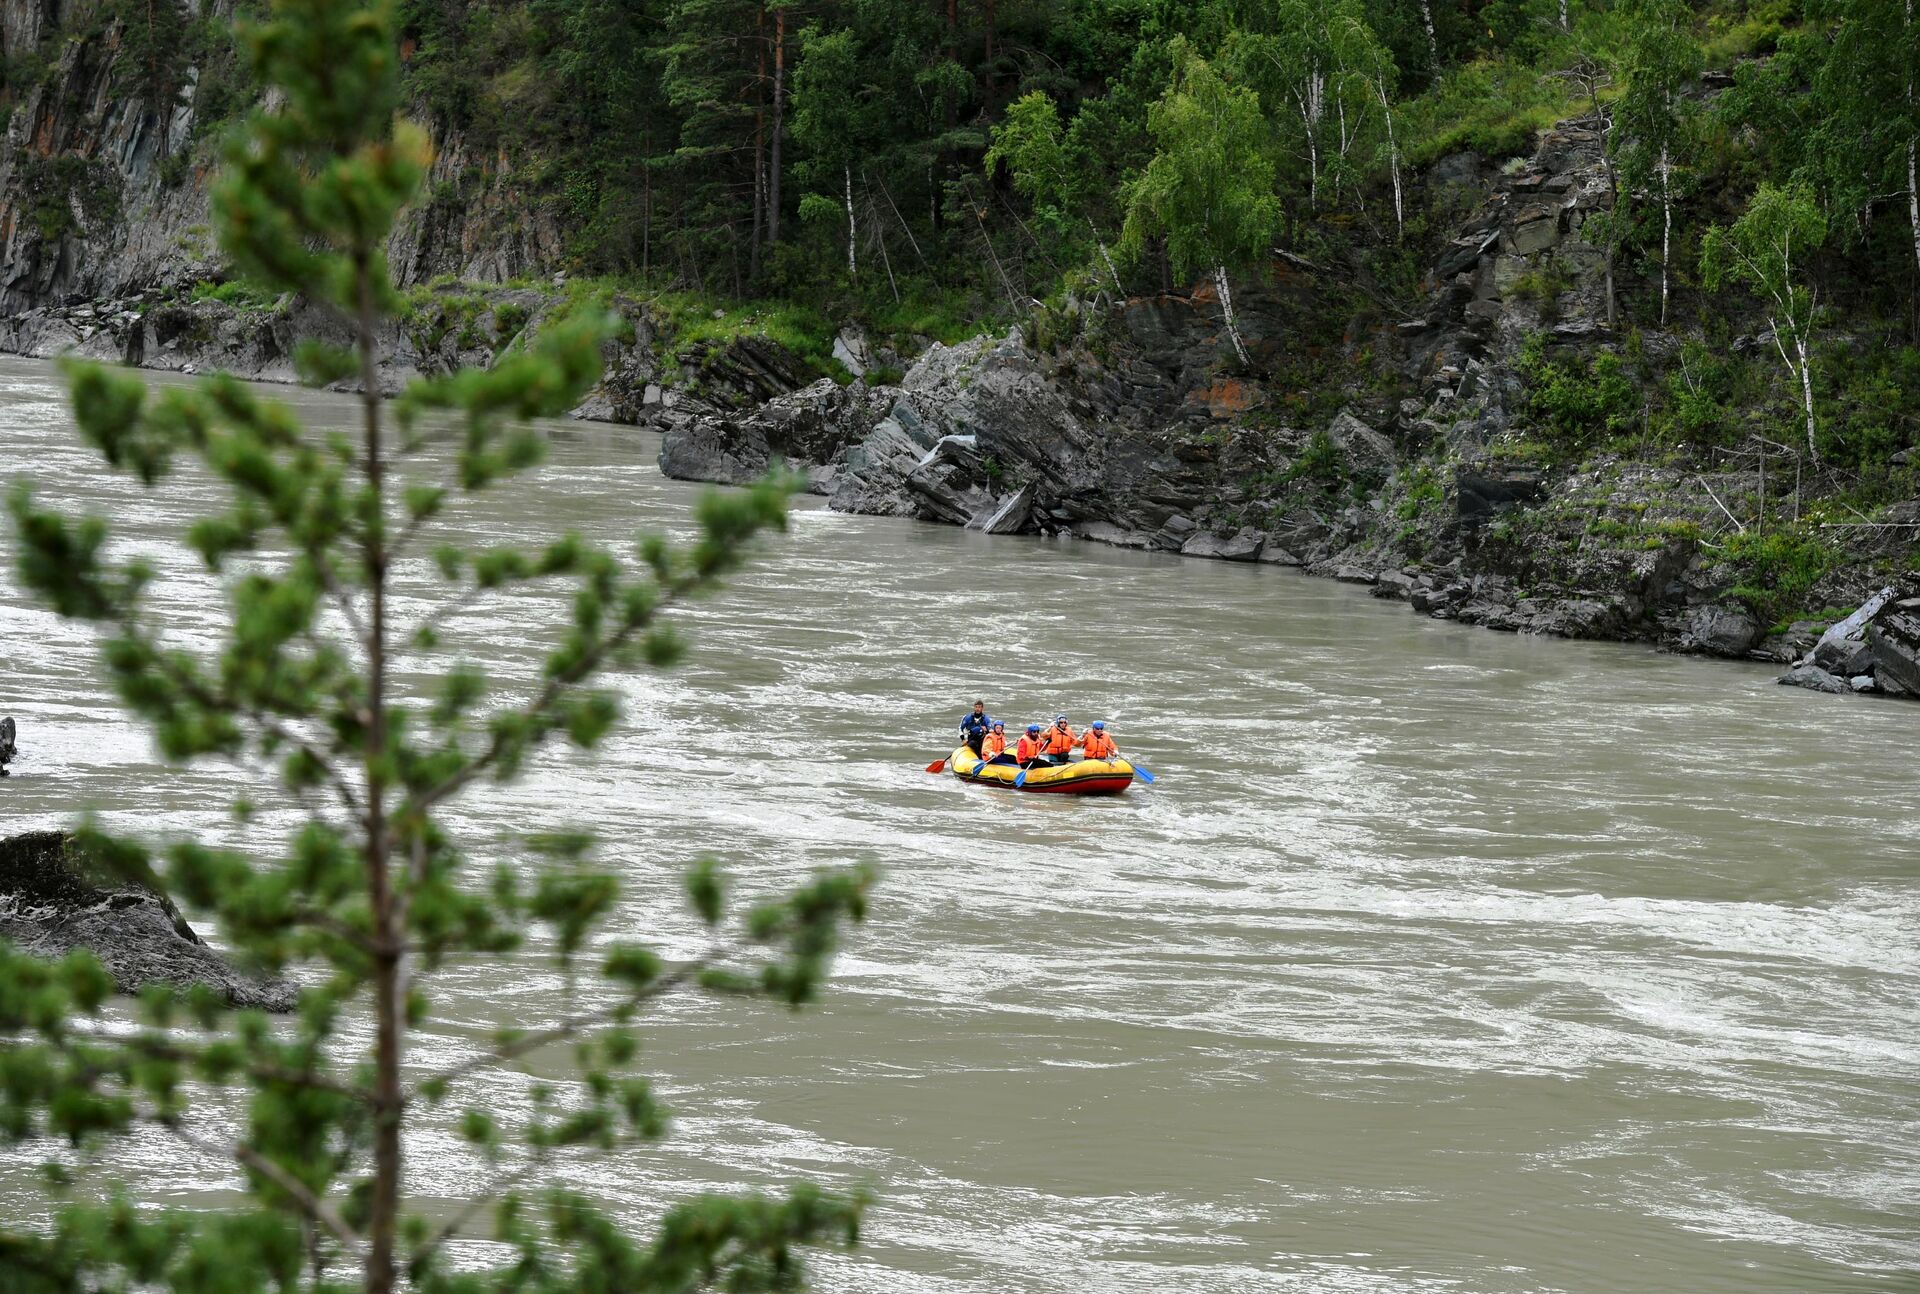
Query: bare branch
{"x": 449, "y": 1229}
{"x": 554, "y": 689}
{"x": 312, "y": 1205}
{"x": 571, "y": 1025}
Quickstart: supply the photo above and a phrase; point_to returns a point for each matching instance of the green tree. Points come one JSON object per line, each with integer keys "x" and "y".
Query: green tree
{"x": 1766, "y": 249}
{"x": 1661, "y": 58}
{"x": 1036, "y": 153}
{"x": 830, "y": 122}
{"x": 1867, "y": 91}
{"x": 373, "y": 892}
{"x": 1209, "y": 188}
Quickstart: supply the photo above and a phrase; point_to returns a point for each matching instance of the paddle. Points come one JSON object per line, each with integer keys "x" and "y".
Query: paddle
{"x": 1145, "y": 776}
{"x": 937, "y": 766}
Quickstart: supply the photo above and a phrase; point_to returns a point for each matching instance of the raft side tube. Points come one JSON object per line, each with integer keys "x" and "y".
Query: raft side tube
{"x": 1080, "y": 777}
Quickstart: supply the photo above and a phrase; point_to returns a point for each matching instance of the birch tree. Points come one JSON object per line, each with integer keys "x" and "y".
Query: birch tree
{"x": 1767, "y": 249}
{"x": 829, "y": 123}
{"x": 1209, "y": 189}
{"x": 1366, "y": 70}
{"x": 1659, "y": 60}
{"x": 1031, "y": 146}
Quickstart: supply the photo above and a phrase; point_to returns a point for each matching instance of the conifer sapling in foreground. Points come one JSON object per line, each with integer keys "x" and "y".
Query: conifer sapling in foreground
{"x": 371, "y": 894}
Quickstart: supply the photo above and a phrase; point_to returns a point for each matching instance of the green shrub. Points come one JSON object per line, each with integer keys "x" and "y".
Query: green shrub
{"x": 241, "y": 294}
{"x": 509, "y": 317}
{"x": 1576, "y": 404}
{"x": 1319, "y": 462}
{"x": 1777, "y": 569}
{"x": 1424, "y": 494}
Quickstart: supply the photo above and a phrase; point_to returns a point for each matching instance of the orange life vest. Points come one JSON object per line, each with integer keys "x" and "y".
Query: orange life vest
{"x": 1057, "y": 741}
{"x": 996, "y": 743}
{"x": 1098, "y": 745}
{"x": 1027, "y": 751}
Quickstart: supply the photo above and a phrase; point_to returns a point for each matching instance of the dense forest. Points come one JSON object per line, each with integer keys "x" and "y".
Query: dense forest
{"x": 868, "y": 153}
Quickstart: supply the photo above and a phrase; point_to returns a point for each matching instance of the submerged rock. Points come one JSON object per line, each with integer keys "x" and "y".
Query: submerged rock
{"x": 53, "y": 901}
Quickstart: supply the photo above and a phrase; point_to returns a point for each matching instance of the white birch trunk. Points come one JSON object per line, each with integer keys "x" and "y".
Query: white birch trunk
{"x": 853, "y": 270}
{"x": 1393, "y": 164}
{"x": 1565, "y": 23}
{"x": 1806, "y": 391}
{"x": 1666, "y": 227}
{"x": 1433, "y": 44}
{"x": 1913, "y": 200}
{"x": 1226, "y": 308}
{"x": 1101, "y": 243}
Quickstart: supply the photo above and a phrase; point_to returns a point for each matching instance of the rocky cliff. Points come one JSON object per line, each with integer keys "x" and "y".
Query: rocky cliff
{"x": 1135, "y": 426}
{"x": 103, "y": 198}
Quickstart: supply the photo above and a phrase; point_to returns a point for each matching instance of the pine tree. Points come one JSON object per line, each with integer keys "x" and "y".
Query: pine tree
{"x": 373, "y": 893}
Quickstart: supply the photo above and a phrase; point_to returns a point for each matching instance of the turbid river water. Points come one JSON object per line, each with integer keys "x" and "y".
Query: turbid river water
{"x": 1436, "y": 959}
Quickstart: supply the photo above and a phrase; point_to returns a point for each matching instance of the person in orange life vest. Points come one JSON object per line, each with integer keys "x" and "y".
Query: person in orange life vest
{"x": 1096, "y": 744}
{"x": 1058, "y": 742}
{"x": 1027, "y": 752}
{"x": 995, "y": 744}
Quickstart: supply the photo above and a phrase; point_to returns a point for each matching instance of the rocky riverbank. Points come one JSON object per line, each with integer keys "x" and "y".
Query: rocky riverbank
{"x": 54, "y": 901}
{"x": 1132, "y": 424}
{"x": 1385, "y": 437}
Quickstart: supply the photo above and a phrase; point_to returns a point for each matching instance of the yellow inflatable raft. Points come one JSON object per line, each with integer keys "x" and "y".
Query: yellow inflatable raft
{"x": 1081, "y": 777}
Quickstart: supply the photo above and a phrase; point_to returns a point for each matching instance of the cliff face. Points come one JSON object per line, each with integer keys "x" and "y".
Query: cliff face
{"x": 101, "y": 197}
{"x": 85, "y": 210}
{"x": 1134, "y": 425}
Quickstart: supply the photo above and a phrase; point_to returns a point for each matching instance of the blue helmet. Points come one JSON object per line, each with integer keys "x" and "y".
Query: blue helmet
{"x": 998, "y": 725}
{"x": 1101, "y": 724}
{"x": 1059, "y": 718}
{"x": 1033, "y": 730}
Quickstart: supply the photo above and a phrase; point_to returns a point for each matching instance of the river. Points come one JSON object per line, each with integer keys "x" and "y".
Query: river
{"x": 1436, "y": 959}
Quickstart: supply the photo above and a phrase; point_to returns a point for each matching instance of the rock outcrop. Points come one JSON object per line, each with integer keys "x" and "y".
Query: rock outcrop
{"x": 52, "y": 901}
{"x": 1876, "y": 649}
{"x": 103, "y": 198}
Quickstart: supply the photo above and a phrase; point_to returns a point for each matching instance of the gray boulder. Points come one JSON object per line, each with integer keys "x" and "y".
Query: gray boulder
{"x": 803, "y": 429}
{"x": 1242, "y": 546}
{"x": 1009, "y": 515}
{"x": 1394, "y": 584}
{"x": 1575, "y": 618}
{"x": 53, "y": 901}
{"x": 1483, "y": 490}
{"x": 1836, "y": 644}
{"x": 1815, "y": 679}
{"x": 1720, "y": 631}
{"x": 1365, "y": 449}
